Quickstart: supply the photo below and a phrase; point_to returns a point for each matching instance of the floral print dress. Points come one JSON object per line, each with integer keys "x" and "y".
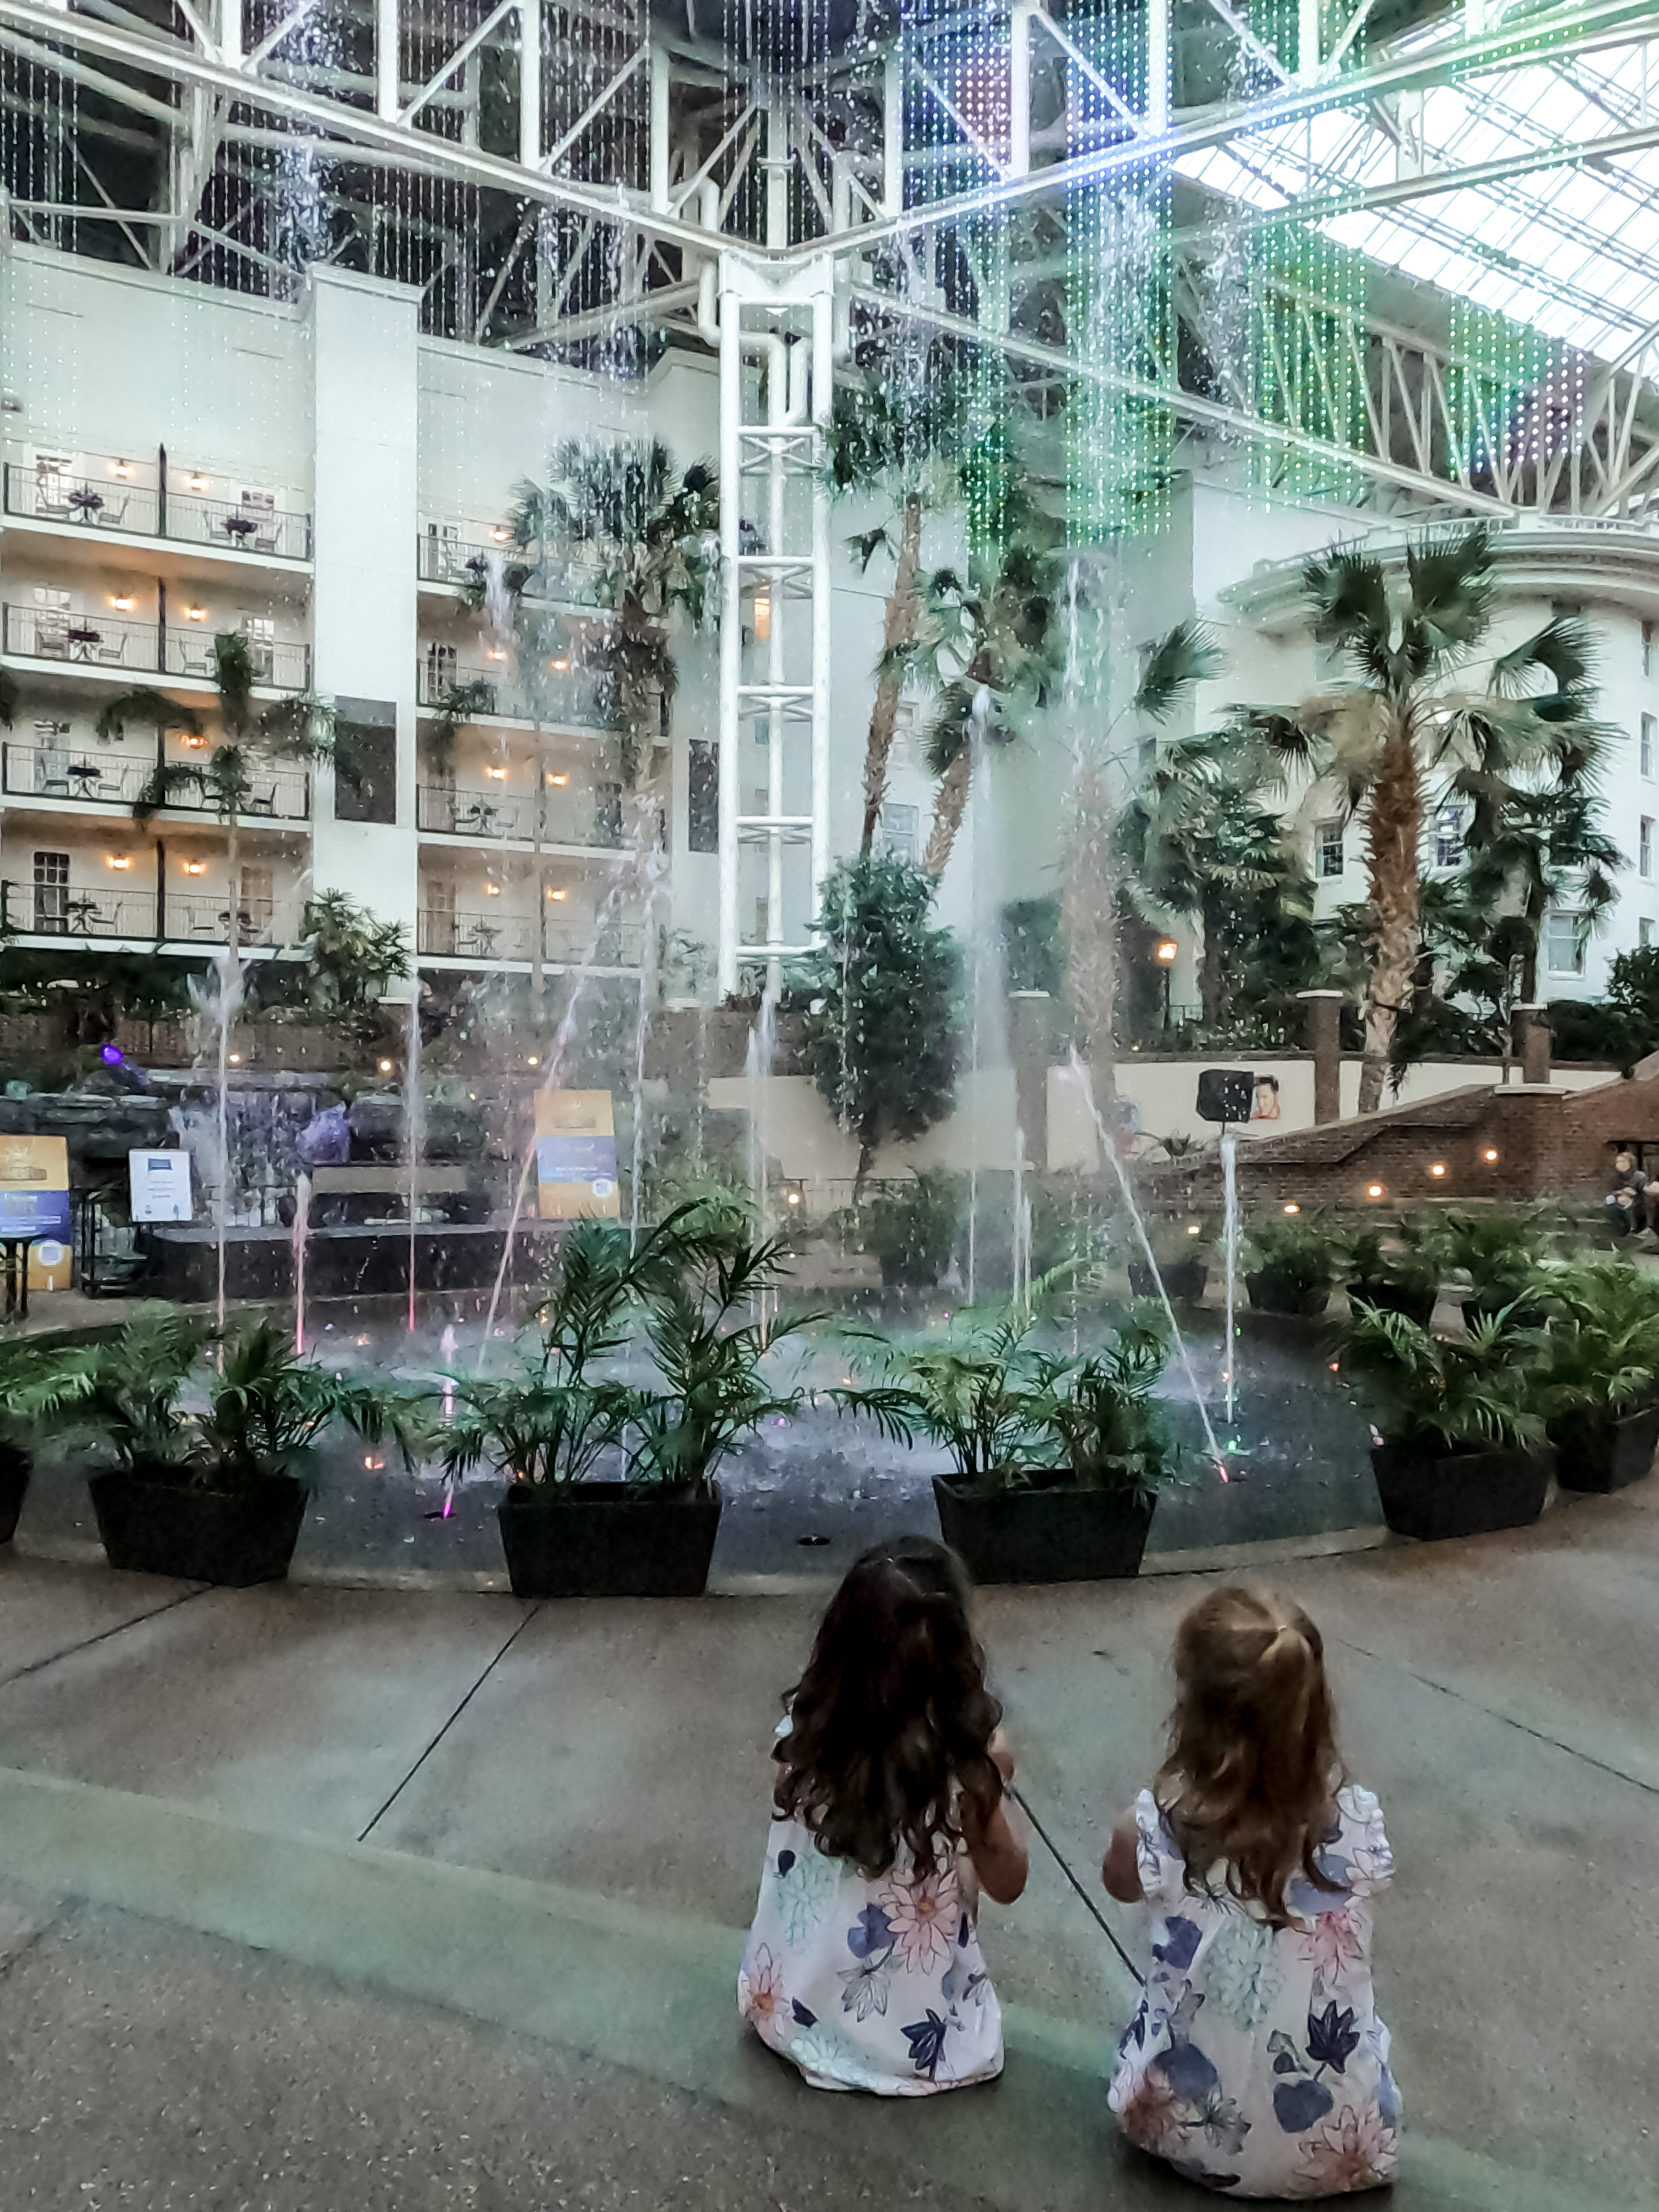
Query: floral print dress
{"x": 1256, "y": 2063}
{"x": 870, "y": 1985}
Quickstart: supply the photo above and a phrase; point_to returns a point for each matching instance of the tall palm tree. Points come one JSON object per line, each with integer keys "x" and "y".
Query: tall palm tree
{"x": 1532, "y": 764}
{"x": 1185, "y": 657}
{"x": 7, "y": 697}
{"x": 646, "y": 532}
{"x": 1401, "y": 721}
{"x": 1198, "y": 845}
{"x": 891, "y": 435}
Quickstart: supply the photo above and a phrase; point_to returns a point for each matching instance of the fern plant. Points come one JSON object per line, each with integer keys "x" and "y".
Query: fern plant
{"x": 1480, "y": 1392}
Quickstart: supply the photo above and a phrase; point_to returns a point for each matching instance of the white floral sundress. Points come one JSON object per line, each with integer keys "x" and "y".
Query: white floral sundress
{"x": 867, "y": 1985}
{"x": 1256, "y": 2063}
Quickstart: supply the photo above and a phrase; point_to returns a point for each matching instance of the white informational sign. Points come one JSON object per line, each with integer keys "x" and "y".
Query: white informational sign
{"x": 160, "y": 1186}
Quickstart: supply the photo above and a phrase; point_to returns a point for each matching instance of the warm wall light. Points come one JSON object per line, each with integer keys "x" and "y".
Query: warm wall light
{"x": 236, "y": 1060}
{"x": 763, "y": 614}
{"x": 558, "y": 895}
{"x": 197, "y": 482}
{"x": 1438, "y": 1168}
{"x": 196, "y": 868}
{"x": 120, "y": 468}
{"x": 558, "y": 667}
{"x": 494, "y": 652}
{"x": 117, "y": 860}
{"x": 1194, "y": 1229}
{"x": 1167, "y": 951}
{"x": 1490, "y": 1154}
{"x": 386, "y": 1067}
{"x": 1292, "y": 1207}
{"x": 533, "y": 1060}
{"x": 492, "y": 890}
{"x": 499, "y": 774}
{"x": 1374, "y": 1190}
{"x": 124, "y": 603}
{"x": 195, "y": 614}
{"x": 500, "y": 535}
{"x": 558, "y": 781}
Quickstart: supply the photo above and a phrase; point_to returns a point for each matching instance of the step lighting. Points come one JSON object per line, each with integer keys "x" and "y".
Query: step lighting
{"x": 1490, "y": 1155}
{"x": 386, "y": 1067}
{"x": 1375, "y": 1190}
{"x": 1292, "y": 1207}
{"x": 1438, "y": 1168}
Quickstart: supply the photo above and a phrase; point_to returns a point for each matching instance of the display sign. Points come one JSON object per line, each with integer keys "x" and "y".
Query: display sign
{"x": 576, "y": 1156}
{"x": 160, "y": 1186}
{"x": 34, "y": 1199}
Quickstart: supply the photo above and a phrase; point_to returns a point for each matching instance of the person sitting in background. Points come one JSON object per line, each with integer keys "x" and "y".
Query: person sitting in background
{"x": 1627, "y": 1200}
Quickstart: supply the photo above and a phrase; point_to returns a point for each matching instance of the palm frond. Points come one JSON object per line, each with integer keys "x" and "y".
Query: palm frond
{"x": 1186, "y": 656}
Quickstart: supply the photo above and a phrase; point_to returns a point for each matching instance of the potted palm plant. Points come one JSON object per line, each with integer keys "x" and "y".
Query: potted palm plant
{"x": 214, "y": 1493}
{"x": 912, "y": 1231}
{"x": 1180, "y": 1252}
{"x": 25, "y": 1379}
{"x": 1055, "y": 1464}
{"x": 1464, "y": 1447}
{"x": 15, "y": 1468}
{"x": 1398, "y": 1271}
{"x": 1296, "y": 1262}
{"x": 1503, "y": 1255}
{"x": 567, "y": 1529}
{"x": 1599, "y": 1375}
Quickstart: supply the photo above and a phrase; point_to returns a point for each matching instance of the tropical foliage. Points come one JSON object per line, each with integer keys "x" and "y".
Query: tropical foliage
{"x": 882, "y": 1038}
{"x": 1470, "y": 1393}
{"x": 350, "y": 958}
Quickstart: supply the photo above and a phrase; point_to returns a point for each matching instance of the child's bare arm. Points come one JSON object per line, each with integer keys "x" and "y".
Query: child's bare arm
{"x": 997, "y": 1847}
{"x": 1119, "y": 1869}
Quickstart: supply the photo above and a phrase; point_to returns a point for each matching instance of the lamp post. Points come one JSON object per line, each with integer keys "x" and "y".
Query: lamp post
{"x": 1165, "y": 955}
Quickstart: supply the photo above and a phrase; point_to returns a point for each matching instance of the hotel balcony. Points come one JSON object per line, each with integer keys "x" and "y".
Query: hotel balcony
{"x": 460, "y": 556}
{"x": 558, "y": 698}
{"x": 95, "y": 911}
{"x": 92, "y": 775}
{"x": 447, "y": 809}
{"x": 110, "y": 645}
{"x": 109, "y": 496}
{"x": 505, "y": 940}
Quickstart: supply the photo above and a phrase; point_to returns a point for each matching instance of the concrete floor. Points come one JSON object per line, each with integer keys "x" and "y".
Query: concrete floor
{"x": 315, "y": 1897}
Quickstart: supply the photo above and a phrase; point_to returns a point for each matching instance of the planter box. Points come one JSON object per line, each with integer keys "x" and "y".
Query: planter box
{"x": 609, "y": 1539}
{"x": 1395, "y": 1297}
{"x": 1058, "y": 1535}
{"x": 1430, "y": 1494}
{"x": 1602, "y": 1453}
{"x": 14, "y": 1483}
{"x": 1184, "y": 1281}
{"x": 1279, "y": 1294}
{"x": 235, "y": 1537}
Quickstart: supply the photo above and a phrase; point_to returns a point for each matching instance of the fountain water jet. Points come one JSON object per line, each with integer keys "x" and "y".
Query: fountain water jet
{"x": 301, "y": 1232}
{"x": 1230, "y": 1249}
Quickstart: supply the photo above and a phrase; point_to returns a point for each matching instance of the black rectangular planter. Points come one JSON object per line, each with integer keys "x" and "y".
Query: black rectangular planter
{"x": 1183, "y": 1280}
{"x": 1274, "y": 1293}
{"x": 13, "y": 1485}
{"x": 1395, "y": 1297}
{"x": 1602, "y": 1453}
{"x": 609, "y": 1539}
{"x": 1058, "y": 1535}
{"x": 235, "y": 1537}
{"x": 1430, "y": 1494}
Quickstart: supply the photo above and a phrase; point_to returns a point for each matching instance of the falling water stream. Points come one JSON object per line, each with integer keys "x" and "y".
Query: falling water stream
{"x": 1109, "y": 1151}
{"x": 1230, "y": 1250}
{"x": 302, "y": 1233}
{"x": 413, "y": 1131}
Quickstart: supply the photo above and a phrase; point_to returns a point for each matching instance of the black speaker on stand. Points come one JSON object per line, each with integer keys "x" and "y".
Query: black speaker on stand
{"x": 1225, "y": 1094}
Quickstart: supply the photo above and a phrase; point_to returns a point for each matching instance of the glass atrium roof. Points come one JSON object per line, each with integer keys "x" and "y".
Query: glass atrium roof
{"x": 1571, "y": 248}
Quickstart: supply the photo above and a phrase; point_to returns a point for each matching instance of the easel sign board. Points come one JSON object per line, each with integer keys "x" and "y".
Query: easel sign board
{"x": 160, "y": 1186}
{"x": 34, "y": 1198}
{"x": 576, "y": 1157}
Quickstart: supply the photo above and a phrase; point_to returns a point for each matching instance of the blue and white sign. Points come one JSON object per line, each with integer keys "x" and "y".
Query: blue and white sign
{"x": 160, "y": 1186}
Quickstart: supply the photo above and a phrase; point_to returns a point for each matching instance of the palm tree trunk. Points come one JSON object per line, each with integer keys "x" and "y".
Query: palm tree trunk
{"x": 1087, "y": 922}
{"x": 898, "y": 632}
{"x": 1393, "y": 837}
{"x": 950, "y": 803}
{"x": 1213, "y": 967}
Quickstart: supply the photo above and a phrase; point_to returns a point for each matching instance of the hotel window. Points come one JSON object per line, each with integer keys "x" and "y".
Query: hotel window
{"x": 1644, "y": 846}
{"x": 1328, "y": 849}
{"x": 897, "y": 831}
{"x": 702, "y": 798}
{"x": 1449, "y": 837}
{"x": 1564, "y": 950}
{"x": 1649, "y": 727}
{"x": 1647, "y": 648}
{"x": 1644, "y": 932}
{"x": 51, "y": 892}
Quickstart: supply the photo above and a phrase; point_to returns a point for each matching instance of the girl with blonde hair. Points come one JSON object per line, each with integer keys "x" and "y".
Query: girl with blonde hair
{"x": 1256, "y": 2063}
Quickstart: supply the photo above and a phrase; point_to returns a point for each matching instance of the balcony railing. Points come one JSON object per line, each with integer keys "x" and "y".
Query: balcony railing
{"x": 115, "y": 504}
{"x": 78, "y": 910}
{"x": 454, "y": 812}
{"x": 573, "y": 697}
{"x": 442, "y": 935}
{"x": 97, "y": 910}
{"x": 88, "y": 775}
{"x": 110, "y": 641}
{"x": 467, "y": 560}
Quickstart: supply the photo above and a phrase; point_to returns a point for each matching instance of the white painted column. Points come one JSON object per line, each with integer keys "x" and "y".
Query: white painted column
{"x": 385, "y": 60}
{"x": 823, "y": 357}
{"x": 1157, "y": 64}
{"x": 731, "y": 626}
{"x": 530, "y": 83}
{"x": 364, "y": 356}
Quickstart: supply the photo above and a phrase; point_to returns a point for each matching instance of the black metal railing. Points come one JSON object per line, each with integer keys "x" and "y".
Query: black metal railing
{"x": 115, "y": 642}
{"x": 131, "y": 498}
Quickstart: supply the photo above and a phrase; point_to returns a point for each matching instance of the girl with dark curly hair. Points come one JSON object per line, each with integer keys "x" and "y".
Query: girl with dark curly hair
{"x": 889, "y": 1818}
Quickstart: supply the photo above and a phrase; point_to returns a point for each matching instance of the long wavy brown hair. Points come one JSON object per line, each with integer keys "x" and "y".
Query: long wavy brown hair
{"x": 1249, "y": 1785}
{"x": 891, "y": 1724}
